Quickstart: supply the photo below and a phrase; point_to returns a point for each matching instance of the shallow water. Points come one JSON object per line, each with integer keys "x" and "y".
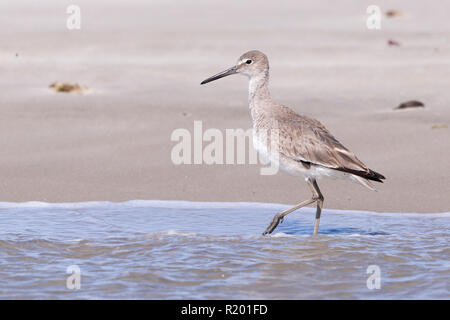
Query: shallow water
{"x": 170, "y": 249}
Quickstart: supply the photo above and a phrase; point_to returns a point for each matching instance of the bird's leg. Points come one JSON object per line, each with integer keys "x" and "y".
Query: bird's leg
{"x": 319, "y": 197}
{"x": 279, "y": 216}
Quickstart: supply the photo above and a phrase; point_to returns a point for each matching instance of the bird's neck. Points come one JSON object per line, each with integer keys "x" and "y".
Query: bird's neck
{"x": 258, "y": 90}
{"x": 259, "y": 99}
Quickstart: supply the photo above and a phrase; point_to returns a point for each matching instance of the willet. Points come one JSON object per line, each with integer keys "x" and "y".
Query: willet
{"x": 303, "y": 146}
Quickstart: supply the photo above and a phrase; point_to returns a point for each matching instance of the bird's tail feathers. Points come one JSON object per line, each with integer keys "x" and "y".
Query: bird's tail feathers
{"x": 366, "y": 183}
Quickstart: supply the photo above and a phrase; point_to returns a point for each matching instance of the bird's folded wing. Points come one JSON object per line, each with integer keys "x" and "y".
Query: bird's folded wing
{"x": 308, "y": 140}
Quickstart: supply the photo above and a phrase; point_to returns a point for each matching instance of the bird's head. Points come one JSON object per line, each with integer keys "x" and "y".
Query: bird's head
{"x": 251, "y": 64}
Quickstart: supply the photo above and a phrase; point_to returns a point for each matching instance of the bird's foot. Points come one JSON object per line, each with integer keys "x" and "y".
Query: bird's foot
{"x": 275, "y": 221}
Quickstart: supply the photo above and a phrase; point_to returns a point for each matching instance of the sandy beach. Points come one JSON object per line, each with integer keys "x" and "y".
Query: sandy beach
{"x": 143, "y": 62}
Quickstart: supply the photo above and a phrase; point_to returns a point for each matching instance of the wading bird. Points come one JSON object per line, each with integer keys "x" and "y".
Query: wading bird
{"x": 302, "y": 146}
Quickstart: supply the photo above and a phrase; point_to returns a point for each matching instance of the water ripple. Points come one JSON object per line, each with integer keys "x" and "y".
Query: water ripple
{"x": 157, "y": 249}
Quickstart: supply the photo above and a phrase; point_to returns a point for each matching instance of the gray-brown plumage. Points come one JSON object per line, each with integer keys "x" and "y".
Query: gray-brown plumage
{"x": 308, "y": 141}
{"x": 301, "y": 145}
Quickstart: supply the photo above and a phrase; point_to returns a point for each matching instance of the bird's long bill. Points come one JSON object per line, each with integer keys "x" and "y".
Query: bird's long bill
{"x": 222, "y": 74}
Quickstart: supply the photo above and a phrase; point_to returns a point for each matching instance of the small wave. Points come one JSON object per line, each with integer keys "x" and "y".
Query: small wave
{"x": 282, "y": 235}
{"x": 178, "y": 233}
{"x": 175, "y": 204}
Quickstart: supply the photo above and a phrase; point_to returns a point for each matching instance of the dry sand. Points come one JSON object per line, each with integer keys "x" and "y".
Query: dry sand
{"x": 143, "y": 62}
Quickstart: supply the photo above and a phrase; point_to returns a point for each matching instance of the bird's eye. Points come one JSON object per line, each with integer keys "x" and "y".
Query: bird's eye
{"x": 248, "y": 61}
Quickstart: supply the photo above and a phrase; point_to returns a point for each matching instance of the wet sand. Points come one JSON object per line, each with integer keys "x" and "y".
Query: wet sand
{"x": 143, "y": 63}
